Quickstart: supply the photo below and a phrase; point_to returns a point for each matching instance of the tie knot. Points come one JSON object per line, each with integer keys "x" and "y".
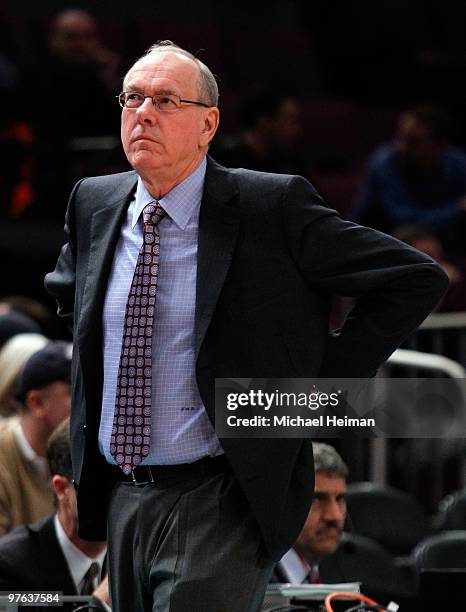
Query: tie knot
{"x": 153, "y": 213}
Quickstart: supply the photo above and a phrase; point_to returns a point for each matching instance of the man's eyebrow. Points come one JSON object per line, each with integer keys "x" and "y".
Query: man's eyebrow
{"x": 160, "y": 92}
{"x": 322, "y": 494}
{"x": 166, "y": 92}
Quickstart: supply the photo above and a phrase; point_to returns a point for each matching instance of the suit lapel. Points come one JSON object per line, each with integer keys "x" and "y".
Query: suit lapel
{"x": 218, "y": 229}
{"x": 105, "y": 231}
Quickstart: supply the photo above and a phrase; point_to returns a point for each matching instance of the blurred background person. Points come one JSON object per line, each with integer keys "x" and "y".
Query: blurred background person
{"x": 13, "y": 323}
{"x": 28, "y": 307}
{"x": 49, "y": 555}
{"x": 418, "y": 179}
{"x": 74, "y": 40}
{"x": 13, "y": 355}
{"x": 44, "y": 395}
{"x": 425, "y": 240}
{"x": 270, "y": 136}
{"x": 74, "y": 85}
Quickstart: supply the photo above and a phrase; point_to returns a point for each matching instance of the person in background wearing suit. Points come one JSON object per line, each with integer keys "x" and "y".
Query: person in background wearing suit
{"x": 182, "y": 272}
{"x": 43, "y": 393}
{"x": 49, "y": 555}
{"x": 322, "y": 530}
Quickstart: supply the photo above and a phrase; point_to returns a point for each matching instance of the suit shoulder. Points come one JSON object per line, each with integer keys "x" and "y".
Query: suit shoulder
{"x": 269, "y": 184}
{"x": 106, "y": 185}
{"x": 245, "y": 177}
{"x": 18, "y": 547}
{"x": 110, "y": 179}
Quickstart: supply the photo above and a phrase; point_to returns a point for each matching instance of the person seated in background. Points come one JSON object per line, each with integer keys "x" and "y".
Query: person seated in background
{"x": 13, "y": 322}
{"x": 44, "y": 394}
{"x": 85, "y": 75}
{"x": 322, "y": 530}
{"x": 31, "y": 308}
{"x": 79, "y": 71}
{"x": 14, "y": 353}
{"x": 424, "y": 239}
{"x": 269, "y": 139}
{"x": 419, "y": 179}
{"x": 49, "y": 555}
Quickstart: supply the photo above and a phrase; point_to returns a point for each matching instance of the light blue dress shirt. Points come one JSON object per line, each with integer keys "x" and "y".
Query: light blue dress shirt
{"x": 295, "y": 569}
{"x": 181, "y": 430}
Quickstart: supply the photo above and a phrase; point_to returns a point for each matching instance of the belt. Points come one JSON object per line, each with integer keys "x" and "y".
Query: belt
{"x": 146, "y": 474}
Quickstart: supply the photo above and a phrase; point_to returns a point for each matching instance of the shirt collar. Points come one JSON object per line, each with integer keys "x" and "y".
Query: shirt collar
{"x": 39, "y": 463}
{"x": 294, "y": 567}
{"x": 78, "y": 562}
{"x": 180, "y": 203}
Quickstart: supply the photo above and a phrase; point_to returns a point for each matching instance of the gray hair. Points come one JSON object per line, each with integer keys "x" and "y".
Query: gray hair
{"x": 327, "y": 460}
{"x": 207, "y": 85}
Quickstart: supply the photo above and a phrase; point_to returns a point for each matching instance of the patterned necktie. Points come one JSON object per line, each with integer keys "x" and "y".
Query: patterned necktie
{"x": 88, "y": 585}
{"x": 130, "y": 441}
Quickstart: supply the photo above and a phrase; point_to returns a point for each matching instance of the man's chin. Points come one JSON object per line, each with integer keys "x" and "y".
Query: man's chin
{"x": 144, "y": 160}
{"x": 329, "y": 546}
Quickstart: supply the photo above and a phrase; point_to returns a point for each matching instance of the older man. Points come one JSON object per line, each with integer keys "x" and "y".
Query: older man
{"x": 322, "y": 530}
{"x": 177, "y": 274}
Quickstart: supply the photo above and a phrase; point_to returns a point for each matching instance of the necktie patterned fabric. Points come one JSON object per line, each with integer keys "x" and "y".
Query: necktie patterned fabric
{"x": 88, "y": 585}
{"x": 130, "y": 441}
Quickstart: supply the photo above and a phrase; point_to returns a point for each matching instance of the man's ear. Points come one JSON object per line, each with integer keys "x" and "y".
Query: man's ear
{"x": 60, "y": 485}
{"x": 34, "y": 400}
{"x": 210, "y": 124}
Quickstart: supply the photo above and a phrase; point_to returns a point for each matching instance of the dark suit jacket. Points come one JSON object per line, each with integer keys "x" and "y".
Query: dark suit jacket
{"x": 360, "y": 559}
{"x": 31, "y": 559}
{"x": 270, "y": 256}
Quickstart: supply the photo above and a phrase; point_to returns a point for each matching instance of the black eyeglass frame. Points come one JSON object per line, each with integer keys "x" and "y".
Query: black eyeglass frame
{"x": 121, "y": 101}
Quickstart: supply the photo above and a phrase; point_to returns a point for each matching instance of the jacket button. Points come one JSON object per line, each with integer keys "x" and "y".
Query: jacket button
{"x": 84, "y": 427}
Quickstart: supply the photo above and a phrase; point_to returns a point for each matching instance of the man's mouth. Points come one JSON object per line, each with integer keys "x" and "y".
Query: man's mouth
{"x": 143, "y": 137}
{"x": 333, "y": 532}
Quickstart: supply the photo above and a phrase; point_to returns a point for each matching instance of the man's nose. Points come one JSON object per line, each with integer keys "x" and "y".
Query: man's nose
{"x": 147, "y": 113}
{"x": 334, "y": 511}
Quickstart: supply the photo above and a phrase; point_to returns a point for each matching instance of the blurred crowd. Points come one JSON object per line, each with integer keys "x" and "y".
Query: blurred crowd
{"x": 396, "y": 167}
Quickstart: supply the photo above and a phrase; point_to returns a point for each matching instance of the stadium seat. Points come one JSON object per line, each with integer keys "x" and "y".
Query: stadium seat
{"x": 391, "y": 517}
{"x": 446, "y": 550}
{"x": 362, "y": 560}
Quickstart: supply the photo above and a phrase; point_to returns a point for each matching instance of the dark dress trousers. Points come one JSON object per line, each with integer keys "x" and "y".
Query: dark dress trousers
{"x": 270, "y": 256}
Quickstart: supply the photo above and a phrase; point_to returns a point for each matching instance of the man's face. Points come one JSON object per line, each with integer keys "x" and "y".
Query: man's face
{"x": 166, "y": 147}
{"x": 74, "y": 37}
{"x": 288, "y": 124}
{"x": 322, "y": 530}
{"x": 415, "y": 144}
{"x": 56, "y": 403}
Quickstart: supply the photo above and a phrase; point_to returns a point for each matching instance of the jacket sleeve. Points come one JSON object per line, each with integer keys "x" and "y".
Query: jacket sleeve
{"x": 60, "y": 283}
{"x": 395, "y": 286}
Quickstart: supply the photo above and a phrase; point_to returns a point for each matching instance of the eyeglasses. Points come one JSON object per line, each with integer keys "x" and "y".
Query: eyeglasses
{"x": 166, "y": 103}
